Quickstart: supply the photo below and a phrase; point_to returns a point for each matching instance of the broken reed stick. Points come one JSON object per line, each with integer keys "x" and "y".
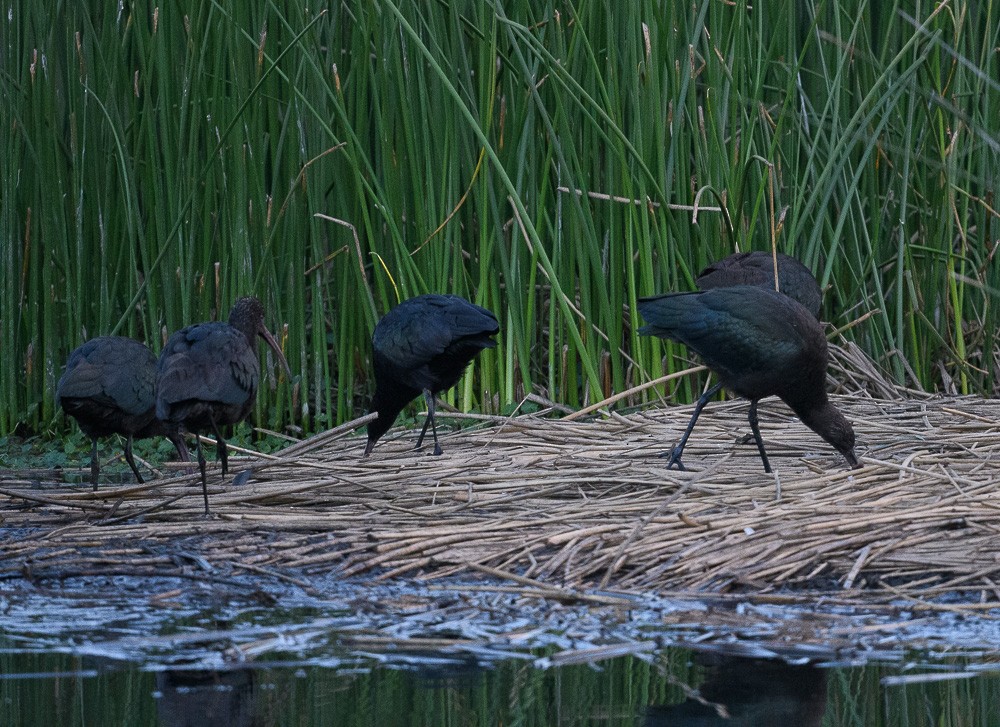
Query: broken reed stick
{"x": 573, "y": 505}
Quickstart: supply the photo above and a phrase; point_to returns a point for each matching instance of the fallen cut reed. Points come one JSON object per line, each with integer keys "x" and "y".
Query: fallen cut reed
{"x": 564, "y": 507}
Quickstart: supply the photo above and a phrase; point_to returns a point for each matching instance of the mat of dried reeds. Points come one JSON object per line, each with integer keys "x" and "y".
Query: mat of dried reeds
{"x": 556, "y": 504}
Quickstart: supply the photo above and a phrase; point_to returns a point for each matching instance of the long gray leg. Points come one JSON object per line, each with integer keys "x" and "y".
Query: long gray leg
{"x": 752, "y": 416}
{"x": 220, "y": 447}
{"x": 128, "y": 458}
{"x": 95, "y": 465}
{"x": 182, "y": 451}
{"x": 675, "y": 453}
{"x": 429, "y": 398}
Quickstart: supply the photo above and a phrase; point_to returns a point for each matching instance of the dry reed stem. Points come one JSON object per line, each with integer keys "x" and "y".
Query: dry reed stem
{"x": 558, "y": 506}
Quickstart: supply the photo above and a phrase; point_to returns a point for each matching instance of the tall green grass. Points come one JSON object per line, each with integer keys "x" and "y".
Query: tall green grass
{"x": 551, "y": 161}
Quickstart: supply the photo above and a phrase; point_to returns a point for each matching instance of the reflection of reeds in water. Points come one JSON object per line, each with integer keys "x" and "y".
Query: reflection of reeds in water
{"x": 740, "y": 692}
{"x": 187, "y": 698}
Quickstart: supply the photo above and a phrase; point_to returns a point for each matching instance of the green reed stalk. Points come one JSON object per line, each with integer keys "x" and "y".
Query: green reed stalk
{"x": 551, "y": 162}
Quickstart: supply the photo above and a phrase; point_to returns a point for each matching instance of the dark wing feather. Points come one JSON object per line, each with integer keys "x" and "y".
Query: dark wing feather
{"x": 112, "y": 371}
{"x": 207, "y": 362}
{"x": 417, "y": 330}
{"x": 745, "y": 334}
{"x": 757, "y": 268}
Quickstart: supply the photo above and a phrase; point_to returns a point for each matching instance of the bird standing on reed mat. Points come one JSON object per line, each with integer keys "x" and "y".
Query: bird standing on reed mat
{"x": 208, "y": 375}
{"x": 423, "y": 345}
{"x": 760, "y": 343}
{"x": 109, "y": 387}
{"x": 757, "y": 268}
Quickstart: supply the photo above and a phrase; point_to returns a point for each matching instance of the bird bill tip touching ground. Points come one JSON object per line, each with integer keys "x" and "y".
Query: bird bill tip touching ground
{"x": 371, "y": 440}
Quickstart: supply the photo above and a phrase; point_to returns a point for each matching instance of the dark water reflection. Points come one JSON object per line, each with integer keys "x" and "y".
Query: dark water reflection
{"x": 210, "y": 698}
{"x": 743, "y": 692}
{"x": 678, "y": 687}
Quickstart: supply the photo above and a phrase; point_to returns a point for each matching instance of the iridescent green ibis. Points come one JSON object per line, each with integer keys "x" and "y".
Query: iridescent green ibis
{"x": 760, "y": 343}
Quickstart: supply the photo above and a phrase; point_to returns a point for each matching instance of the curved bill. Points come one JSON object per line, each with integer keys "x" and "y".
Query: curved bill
{"x": 273, "y": 343}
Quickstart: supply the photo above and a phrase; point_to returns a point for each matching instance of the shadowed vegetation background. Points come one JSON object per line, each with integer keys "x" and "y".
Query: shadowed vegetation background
{"x": 542, "y": 159}
{"x": 622, "y": 692}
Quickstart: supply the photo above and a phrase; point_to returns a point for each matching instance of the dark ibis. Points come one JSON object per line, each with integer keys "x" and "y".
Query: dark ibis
{"x": 760, "y": 343}
{"x": 423, "y": 345}
{"x": 208, "y": 375}
{"x": 109, "y": 387}
{"x": 757, "y": 268}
